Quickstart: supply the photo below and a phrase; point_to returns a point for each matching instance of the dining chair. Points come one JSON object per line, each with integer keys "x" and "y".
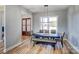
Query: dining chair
{"x": 60, "y": 39}
{"x": 41, "y": 31}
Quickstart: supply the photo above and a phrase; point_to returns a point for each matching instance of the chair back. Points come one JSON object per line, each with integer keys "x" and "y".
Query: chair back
{"x": 46, "y": 31}
{"x": 41, "y": 31}
{"x": 53, "y": 31}
{"x": 63, "y": 33}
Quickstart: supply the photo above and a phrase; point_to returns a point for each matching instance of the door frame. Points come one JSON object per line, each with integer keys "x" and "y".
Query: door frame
{"x": 25, "y": 25}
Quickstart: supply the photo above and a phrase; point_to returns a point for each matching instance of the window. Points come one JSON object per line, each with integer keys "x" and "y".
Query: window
{"x": 48, "y": 24}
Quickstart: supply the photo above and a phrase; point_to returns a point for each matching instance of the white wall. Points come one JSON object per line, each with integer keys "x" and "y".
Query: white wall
{"x": 62, "y": 20}
{"x": 25, "y": 13}
{"x": 1, "y": 22}
{"x": 14, "y": 16}
{"x": 2, "y": 17}
{"x": 0, "y": 26}
{"x": 73, "y": 25}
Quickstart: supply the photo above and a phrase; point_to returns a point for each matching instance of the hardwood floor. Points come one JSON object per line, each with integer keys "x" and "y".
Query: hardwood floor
{"x": 25, "y": 37}
{"x": 1, "y": 46}
{"x": 28, "y": 48}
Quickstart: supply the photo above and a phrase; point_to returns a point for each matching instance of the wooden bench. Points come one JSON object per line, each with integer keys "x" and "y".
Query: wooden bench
{"x": 44, "y": 41}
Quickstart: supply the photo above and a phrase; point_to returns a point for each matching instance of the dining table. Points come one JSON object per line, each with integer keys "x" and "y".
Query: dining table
{"x": 47, "y": 38}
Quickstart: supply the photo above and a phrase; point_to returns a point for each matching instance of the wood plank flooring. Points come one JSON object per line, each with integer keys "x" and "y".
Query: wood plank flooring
{"x": 28, "y": 48}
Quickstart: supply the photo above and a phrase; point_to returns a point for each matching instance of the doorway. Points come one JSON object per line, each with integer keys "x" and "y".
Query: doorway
{"x": 26, "y": 28}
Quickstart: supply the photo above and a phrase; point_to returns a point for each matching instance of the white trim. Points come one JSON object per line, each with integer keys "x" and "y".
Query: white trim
{"x": 4, "y": 50}
{"x": 13, "y": 46}
{"x": 77, "y": 50}
{"x": 4, "y": 29}
{"x": 57, "y": 24}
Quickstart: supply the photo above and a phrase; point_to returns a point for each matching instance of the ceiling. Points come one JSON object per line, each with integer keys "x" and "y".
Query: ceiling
{"x": 40, "y": 8}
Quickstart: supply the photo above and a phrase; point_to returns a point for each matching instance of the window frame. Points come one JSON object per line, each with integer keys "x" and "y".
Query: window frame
{"x": 41, "y": 22}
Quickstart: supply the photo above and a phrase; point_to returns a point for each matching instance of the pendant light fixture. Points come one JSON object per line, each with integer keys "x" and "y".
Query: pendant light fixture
{"x": 46, "y": 9}
{"x": 46, "y": 14}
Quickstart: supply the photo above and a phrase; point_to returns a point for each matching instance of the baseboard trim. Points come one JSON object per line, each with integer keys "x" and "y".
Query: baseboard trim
{"x": 75, "y": 49}
{"x": 10, "y": 48}
{"x": 4, "y": 51}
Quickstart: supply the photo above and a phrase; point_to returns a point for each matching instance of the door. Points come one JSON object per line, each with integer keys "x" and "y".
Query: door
{"x": 26, "y": 26}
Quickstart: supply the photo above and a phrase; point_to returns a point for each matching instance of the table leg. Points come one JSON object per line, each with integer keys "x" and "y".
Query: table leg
{"x": 34, "y": 43}
{"x": 54, "y": 46}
